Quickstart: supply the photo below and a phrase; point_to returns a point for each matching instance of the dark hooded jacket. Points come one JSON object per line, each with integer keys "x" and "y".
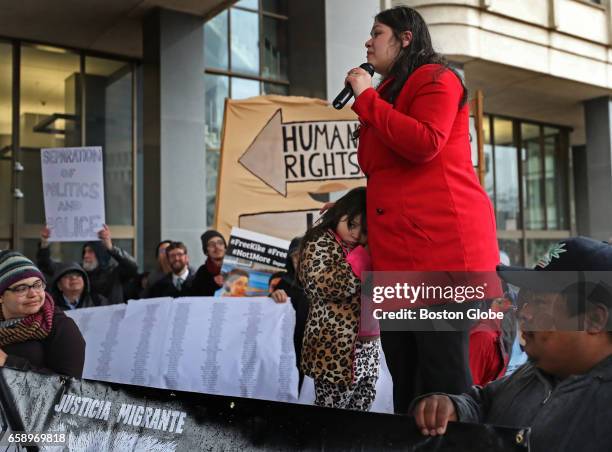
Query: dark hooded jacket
{"x": 87, "y": 300}
{"x": 115, "y": 268}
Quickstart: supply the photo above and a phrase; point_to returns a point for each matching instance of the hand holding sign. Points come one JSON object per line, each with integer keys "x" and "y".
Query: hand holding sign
{"x": 279, "y": 296}
{"x": 105, "y": 237}
{"x": 45, "y": 233}
{"x": 433, "y": 413}
{"x": 219, "y": 279}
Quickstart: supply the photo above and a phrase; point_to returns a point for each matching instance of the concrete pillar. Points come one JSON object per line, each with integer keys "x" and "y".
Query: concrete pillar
{"x": 347, "y": 28}
{"x": 581, "y": 189}
{"x": 598, "y": 121}
{"x": 306, "y": 29}
{"x": 174, "y": 176}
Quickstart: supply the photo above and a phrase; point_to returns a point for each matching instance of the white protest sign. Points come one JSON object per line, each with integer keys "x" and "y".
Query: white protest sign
{"x": 73, "y": 186}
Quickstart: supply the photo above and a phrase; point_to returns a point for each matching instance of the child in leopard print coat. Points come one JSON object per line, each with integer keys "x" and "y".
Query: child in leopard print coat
{"x": 341, "y": 357}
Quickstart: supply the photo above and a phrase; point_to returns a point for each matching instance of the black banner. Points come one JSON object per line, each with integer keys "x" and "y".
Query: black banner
{"x": 99, "y": 416}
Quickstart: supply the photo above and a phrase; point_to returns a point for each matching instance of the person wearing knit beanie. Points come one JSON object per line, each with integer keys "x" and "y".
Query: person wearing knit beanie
{"x": 34, "y": 333}
{"x": 14, "y": 267}
{"x": 211, "y": 233}
{"x": 208, "y": 278}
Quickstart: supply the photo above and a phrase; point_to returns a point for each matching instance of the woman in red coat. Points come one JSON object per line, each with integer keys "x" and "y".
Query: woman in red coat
{"x": 426, "y": 210}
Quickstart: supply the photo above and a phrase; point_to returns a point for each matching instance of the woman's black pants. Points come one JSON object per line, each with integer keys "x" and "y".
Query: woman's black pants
{"x": 426, "y": 361}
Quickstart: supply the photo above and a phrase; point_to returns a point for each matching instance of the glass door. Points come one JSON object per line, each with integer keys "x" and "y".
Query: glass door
{"x": 6, "y": 146}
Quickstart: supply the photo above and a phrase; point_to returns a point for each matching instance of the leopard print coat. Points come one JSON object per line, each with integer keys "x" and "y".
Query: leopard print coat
{"x": 328, "y": 349}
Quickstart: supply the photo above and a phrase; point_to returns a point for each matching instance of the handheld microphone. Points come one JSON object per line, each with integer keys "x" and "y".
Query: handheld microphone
{"x": 346, "y": 94}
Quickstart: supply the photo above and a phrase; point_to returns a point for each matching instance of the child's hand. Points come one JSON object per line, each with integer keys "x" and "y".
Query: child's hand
{"x": 279, "y": 296}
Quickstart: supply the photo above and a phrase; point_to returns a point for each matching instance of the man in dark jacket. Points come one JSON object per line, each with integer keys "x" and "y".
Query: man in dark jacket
{"x": 208, "y": 278}
{"x": 289, "y": 287}
{"x": 162, "y": 268}
{"x": 178, "y": 283}
{"x": 564, "y": 392}
{"x": 108, "y": 267}
{"x": 70, "y": 289}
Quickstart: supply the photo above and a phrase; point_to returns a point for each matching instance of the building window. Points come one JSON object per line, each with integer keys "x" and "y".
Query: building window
{"x": 527, "y": 166}
{"x": 108, "y": 108}
{"x": 49, "y": 117}
{"x": 64, "y": 98}
{"x": 6, "y": 145}
{"x": 245, "y": 55}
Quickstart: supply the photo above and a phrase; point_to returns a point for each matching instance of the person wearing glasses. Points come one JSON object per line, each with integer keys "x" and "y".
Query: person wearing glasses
{"x": 178, "y": 282}
{"x": 70, "y": 289}
{"x": 209, "y": 278}
{"x": 109, "y": 268}
{"x": 35, "y": 334}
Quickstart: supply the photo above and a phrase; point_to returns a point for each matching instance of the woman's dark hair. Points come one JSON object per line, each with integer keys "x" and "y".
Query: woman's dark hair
{"x": 353, "y": 204}
{"x": 163, "y": 242}
{"x": 419, "y": 52}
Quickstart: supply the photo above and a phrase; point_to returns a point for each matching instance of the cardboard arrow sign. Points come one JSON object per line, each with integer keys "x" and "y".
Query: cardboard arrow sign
{"x": 283, "y": 153}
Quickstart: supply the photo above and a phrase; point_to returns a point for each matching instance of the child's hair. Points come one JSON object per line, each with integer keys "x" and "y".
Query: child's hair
{"x": 353, "y": 204}
{"x": 274, "y": 276}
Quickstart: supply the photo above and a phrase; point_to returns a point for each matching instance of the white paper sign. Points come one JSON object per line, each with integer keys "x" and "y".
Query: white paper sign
{"x": 229, "y": 346}
{"x": 73, "y": 187}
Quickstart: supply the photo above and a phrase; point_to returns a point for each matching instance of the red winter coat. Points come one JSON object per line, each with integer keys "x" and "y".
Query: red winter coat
{"x": 488, "y": 355}
{"x": 425, "y": 207}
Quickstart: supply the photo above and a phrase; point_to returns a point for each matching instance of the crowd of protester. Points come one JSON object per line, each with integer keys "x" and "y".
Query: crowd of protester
{"x": 108, "y": 274}
{"x": 569, "y": 371}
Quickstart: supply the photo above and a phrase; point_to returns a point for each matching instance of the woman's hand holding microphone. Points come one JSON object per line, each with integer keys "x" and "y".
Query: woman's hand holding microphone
{"x": 359, "y": 79}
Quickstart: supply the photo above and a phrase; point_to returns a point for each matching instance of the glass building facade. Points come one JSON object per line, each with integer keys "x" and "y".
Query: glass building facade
{"x": 57, "y": 97}
{"x": 527, "y": 179}
{"x": 246, "y": 55}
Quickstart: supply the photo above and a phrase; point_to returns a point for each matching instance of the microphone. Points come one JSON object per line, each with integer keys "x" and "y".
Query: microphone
{"x": 346, "y": 94}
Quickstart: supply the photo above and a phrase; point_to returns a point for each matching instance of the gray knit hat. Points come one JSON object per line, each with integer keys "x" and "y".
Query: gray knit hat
{"x": 14, "y": 267}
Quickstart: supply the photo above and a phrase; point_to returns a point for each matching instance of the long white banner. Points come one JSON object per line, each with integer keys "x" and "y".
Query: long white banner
{"x": 230, "y": 346}
{"x": 227, "y": 346}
